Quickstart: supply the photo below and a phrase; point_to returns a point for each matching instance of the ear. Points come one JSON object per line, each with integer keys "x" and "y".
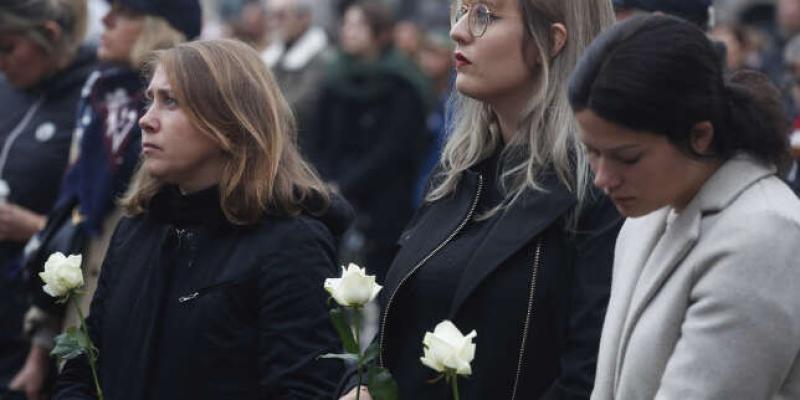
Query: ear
{"x": 702, "y": 137}
{"x": 53, "y": 31}
{"x": 558, "y": 32}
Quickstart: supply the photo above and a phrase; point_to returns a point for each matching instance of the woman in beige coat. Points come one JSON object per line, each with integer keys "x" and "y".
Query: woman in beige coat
{"x": 704, "y": 300}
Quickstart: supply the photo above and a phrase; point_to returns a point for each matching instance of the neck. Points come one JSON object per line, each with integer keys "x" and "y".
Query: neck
{"x": 698, "y": 177}
{"x": 509, "y": 109}
{"x": 508, "y": 118}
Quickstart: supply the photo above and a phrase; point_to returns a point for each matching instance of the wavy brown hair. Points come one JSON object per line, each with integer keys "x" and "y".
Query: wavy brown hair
{"x": 228, "y": 93}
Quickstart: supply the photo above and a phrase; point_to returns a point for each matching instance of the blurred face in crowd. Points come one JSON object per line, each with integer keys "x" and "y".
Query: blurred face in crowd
{"x": 406, "y": 37}
{"x": 288, "y": 19}
{"x": 436, "y": 60}
{"x": 174, "y": 150}
{"x": 357, "y": 39}
{"x": 788, "y": 15}
{"x": 493, "y": 66}
{"x": 252, "y": 24}
{"x": 734, "y": 49}
{"x": 23, "y": 63}
{"x": 642, "y": 171}
{"x": 122, "y": 29}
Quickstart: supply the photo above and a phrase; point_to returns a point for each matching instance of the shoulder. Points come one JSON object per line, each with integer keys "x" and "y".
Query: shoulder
{"x": 291, "y": 233}
{"x": 767, "y": 210}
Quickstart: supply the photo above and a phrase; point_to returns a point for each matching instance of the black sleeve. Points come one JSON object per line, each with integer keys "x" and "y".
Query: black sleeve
{"x": 75, "y": 381}
{"x": 294, "y": 326}
{"x": 593, "y": 257}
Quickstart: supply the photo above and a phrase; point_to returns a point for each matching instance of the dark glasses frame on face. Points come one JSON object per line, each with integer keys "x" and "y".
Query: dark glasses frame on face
{"x": 479, "y": 17}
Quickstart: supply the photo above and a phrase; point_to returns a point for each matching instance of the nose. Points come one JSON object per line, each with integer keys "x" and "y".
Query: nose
{"x": 108, "y": 19}
{"x": 459, "y": 32}
{"x": 148, "y": 122}
{"x": 604, "y": 177}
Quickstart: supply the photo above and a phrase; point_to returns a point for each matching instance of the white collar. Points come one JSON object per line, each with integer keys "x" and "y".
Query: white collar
{"x": 311, "y": 43}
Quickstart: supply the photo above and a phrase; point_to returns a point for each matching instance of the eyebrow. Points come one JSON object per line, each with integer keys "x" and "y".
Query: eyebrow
{"x": 618, "y": 148}
{"x": 163, "y": 92}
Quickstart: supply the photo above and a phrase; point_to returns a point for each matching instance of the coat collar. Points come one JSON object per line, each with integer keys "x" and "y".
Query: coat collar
{"x": 296, "y": 57}
{"x": 664, "y": 246}
{"x": 515, "y": 228}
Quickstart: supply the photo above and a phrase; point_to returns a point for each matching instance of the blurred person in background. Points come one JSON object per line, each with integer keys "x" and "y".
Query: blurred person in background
{"x": 435, "y": 58}
{"x": 407, "y": 38}
{"x": 792, "y": 64}
{"x": 298, "y": 57}
{"x": 43, "y": 67}
{"x": 694, "y": 11}
{"x": 104, "y": 153}
{"x": 212, "y": 286}
{"x": 246, "y": 20}
{"x": 737, "y": 45}
{"x": 369, "y": 127}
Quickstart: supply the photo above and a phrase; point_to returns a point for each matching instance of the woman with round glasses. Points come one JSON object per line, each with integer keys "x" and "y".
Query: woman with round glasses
{"x": 511, "y": 241}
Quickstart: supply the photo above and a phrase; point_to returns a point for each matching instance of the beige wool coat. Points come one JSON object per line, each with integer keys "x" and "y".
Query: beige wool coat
{"x": 707, "y": 306}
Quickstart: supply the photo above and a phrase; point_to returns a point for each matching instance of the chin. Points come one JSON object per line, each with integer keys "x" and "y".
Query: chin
{"x": 467, "y": 89}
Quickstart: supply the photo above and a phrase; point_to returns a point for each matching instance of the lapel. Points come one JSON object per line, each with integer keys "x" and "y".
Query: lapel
{"x": 436, "y": 223}
{"x": 515, "y": 228}
{"x": 666, "y": 251}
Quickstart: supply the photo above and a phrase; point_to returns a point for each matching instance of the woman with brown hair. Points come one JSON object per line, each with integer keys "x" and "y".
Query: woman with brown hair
{"x": 218, "y": 267}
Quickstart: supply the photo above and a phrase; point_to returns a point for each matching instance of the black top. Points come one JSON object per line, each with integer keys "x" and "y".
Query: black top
{"x": 190, "y": 306}
{"x": 535, "y": 290}
{"x": 431, "y": 290}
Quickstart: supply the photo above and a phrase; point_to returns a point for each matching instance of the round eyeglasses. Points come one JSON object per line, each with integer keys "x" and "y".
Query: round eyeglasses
{"x": 479, "y": 17}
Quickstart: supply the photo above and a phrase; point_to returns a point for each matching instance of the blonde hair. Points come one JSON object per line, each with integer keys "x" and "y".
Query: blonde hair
{"x": 156, "y": 34}
{"x": 229, "y": 94}
{"x": 546, "y": 140}
{"x": 28, "y": 16}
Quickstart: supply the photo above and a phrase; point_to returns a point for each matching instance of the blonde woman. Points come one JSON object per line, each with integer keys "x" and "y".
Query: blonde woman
{"x": 218, "y": 267}
{"x": 105, "y": 150}
{"x": 510, "y": 242}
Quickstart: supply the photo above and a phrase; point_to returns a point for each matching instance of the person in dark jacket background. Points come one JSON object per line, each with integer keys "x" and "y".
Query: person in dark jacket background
{"x": 104, "y": 153}
{"x": 218, "y": 270}
{"x": 43, "y": 67}
{"x": 369, "y": 128}
{"x": 511, "y": 241}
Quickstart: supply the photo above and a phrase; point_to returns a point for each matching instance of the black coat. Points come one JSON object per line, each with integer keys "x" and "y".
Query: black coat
{"x": 42, "y": 120}
{"x": 191, "y": 307}
{"x": 557, "y": 298}
{"x": 367, "y": 137}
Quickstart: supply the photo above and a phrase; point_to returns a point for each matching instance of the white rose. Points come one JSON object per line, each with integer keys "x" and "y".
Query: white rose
{"x": 62, "y": 274}
{"x": 354, "y": 289}
{"x": 447, "y": 350}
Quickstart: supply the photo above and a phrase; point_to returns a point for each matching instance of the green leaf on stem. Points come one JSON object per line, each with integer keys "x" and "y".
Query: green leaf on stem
{"x": 380, "y": 383}
{"x": 70, "y": 344}
{"x": 345, "y": 356}
{"x": 342, "y": 326}
{"x": 370, "y": 354}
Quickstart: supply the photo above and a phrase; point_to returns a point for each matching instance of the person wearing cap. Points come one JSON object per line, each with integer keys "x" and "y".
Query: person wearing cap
{"x": 105, "y": 151}
{"x": 694, "y": 11}
{"x": 42, "y": 68}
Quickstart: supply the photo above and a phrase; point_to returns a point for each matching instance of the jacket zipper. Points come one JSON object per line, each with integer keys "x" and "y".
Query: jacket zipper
{"x": 17, "y": 131}
{"x": 534, "y": 273}
{"x": 197, "y": 293}
{"x": 453, "y": 234}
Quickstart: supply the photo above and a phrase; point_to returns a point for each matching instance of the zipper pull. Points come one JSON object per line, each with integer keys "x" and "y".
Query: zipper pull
{"x": 184, "y": 299}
